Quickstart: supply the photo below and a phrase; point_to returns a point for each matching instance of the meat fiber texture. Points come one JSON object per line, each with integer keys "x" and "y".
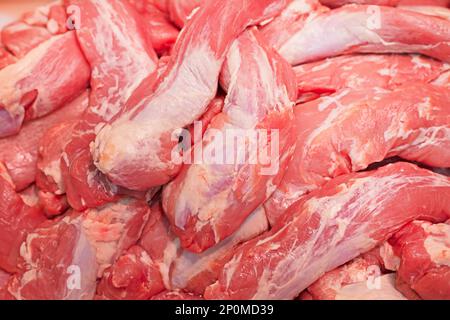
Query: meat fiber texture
{"x": 115, "y": 183}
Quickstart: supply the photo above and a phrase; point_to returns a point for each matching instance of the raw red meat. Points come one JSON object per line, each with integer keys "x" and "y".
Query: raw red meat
{"x": 365, "y": 29}
{"x": 424, "y": 251}
{"x": 364, "y": 71}
{"x": 63, "y": 258}
{"x": 135, "y": 151}
{"x": 134, "y": 276}
{"x": 118, "y": 68}
{"x": 17, "y": 219}
{"x": 19, "y": 153}
{"x": 339, "y": 3}
{"x": 35, "y": 86}
{"x": 411, "y": 122}
{"x": 350, "y": 215}
{"x": 176, "y": 295}
{"x": 362, "y": 278}
{"x": 208, "y": 202}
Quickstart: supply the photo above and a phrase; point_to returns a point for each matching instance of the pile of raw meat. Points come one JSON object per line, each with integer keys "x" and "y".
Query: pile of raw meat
{"x": 102, "y": 102}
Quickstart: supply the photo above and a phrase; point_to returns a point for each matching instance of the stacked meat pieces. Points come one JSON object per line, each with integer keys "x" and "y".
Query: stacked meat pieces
{"x": 105, "y": 107}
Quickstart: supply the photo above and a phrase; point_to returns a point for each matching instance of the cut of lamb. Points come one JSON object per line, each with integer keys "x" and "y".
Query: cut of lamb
{"x": 411, "y": 122}
{"x": 19, "y": 153}
{"x": 365, "y": 29}
{"x": 63, "y": 258}
{"x": 135, "y": 151}
{"x": 423, "y": 250}
{"x": 350, "y": 215}
{"x": 119, "y": 66}
{"x": 35, "y": 85}
{"x": 208, "y": 201}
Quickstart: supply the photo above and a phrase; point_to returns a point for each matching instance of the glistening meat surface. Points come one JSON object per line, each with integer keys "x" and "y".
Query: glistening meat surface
{"x": 350, "y": 215}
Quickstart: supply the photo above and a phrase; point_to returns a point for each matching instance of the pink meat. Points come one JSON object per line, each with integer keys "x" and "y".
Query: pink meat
{"x": 208, "y": 202}
{"x": 52, "y": 204}
{"x": 4, "y": 279}
{"x": 63, "y": 258}
{"x": 163, "y": 34}
{"x": 361, "y": 278}
{"x": 424, "y": 251}
{"x": 6, "y": 58}
{"x": 36, "y": 85}
{"x": 436, "y": 11}
{"x": 350, "y": 215}
{"x": 364, "y": 71}
{"x": 51, "y": 149}
{"x": 366, "y": 29}
{"x": 180, "y": 10}
{"x": 350, "y": 130}
{"x": 119, "y": 66}
{"x": 17, "y": 219}
{"x": 135, "y": 151}
{"x": 19, "y": 153}
{"x": 176, "y": 295}
{"x": 134, "y": 276}
{"x": 20, "y": 38}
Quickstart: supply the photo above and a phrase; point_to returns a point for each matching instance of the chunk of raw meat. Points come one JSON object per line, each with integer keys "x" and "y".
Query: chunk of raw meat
{"x": 52, "y": 204}
{"x": 134, "y": 276}
{"x": 364, "y": 71}
{"x": 208, "y": 201}
{"x": 20, "y": 38}
{"x": 350, "y": 215}
{"x": 36, "y": 85}
{"x": 360, "y": 279}
{"x": 51, "y": 149}
{"x": 162, "y": 32}
{"x": 367, "y": 29}
{"x": 194, "y": 272}
{"x": 63, "y": 258}
{"x": 34, "y": 28}
{"x": 17, "y": 219}
{"x": 119, "y": 66}
{"x": 335, "y": 136}
{"x": 424, "y": 251}
{"x": 180, "y": 10}
{"x": 136, "y": 150}
{"x": 19, "y": 153}
{"x": 181, "y": 269}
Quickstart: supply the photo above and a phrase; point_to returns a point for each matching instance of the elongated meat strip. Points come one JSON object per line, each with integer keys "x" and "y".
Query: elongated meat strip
{"x": 423, "y": 250}
{"x": 209, "y": 200}
{"x": 136, "y": 150}
{"x": 340, "y": 3}
{"x": 180, "y": 10}
{"x": 350, "y": 130}
{"x": 36, "y": 85}
{"x": 17, "y": 219}
{"x": 19, "y": 153}
{"x": 121, "y": 57}
{"x": 367, "y": 29}
{"x": 386, "y": 71}
{"x": 350, "y": 215}
{"x": 63, "y": 258}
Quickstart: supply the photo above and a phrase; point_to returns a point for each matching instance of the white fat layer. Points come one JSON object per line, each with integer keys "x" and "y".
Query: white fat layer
{"x": 437, "y": 243}
{"x": 362, "y": 291}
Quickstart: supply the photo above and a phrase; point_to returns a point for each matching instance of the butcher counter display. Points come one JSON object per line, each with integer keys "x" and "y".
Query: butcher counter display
{"x": 226, "y": 149}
